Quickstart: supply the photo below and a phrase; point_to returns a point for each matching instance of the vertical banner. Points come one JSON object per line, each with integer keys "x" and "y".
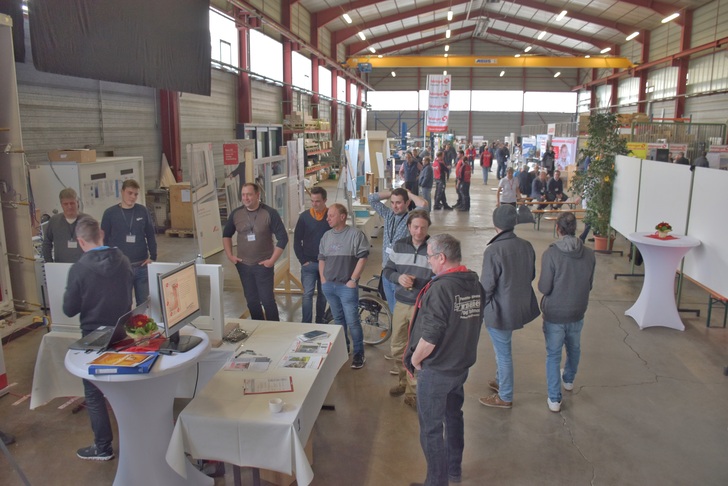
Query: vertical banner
{"x": 206, "y": 210}
{"x": 564, "y": 151}
{"x": 438, "y": 109}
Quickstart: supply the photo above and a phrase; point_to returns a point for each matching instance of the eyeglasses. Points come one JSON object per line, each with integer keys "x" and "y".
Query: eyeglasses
{"x": 433, "y": 255}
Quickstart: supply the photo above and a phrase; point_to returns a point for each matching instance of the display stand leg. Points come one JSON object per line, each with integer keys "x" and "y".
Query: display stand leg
{"x": 631, "y": 274}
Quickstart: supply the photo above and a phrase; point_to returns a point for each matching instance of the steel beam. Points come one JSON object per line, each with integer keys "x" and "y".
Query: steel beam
{"x": 492, "y": 62}
{"x": 552, "y": 30}
{"x": 535, "y": 4}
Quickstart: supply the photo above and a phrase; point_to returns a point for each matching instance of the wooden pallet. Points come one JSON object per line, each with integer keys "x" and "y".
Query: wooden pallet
{"x": 180, "y": 233}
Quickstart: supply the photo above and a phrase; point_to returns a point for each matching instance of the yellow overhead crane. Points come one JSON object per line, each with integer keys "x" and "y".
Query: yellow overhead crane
{"x": 524, "y": 61}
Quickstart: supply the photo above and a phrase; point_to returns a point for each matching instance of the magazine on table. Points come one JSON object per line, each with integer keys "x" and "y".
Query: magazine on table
{"x": 255, "y": 386}
{"x": 247, "y": 363}
{"x": 305, "y": 347}
{"x": 301, "y": 361}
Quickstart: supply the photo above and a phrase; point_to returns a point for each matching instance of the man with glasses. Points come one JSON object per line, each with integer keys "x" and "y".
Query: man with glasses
{"x": 442, "y": 347}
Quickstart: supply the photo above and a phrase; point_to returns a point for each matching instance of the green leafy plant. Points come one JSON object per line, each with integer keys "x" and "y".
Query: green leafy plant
{"x": 596, "y": 184}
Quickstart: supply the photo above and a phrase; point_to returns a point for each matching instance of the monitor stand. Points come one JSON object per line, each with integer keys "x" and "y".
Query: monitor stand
{"x": 179, "y": 344}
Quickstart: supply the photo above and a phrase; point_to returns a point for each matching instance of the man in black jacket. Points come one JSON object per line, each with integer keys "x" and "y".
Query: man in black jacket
{"x": 443, "y": 342}
{"x": 99, "y": 288}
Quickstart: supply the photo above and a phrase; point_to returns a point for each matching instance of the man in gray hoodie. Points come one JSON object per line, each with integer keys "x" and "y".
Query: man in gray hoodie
{"x": 567, "y": 273}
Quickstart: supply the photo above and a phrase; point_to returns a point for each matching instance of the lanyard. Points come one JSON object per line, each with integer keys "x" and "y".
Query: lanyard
{"x": 252, "y": 221}
{"x": 123, "y": 214}
{"x": 393, "y": 228}
{"x": 72, "y": 227}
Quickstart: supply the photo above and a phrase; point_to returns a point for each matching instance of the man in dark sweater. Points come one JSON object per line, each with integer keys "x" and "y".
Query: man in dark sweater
{"x": 99, "y": 288}
{"x": 409, "y": 270}
{"x": 555, "y": 189}
{"x": 59, "y": 236}
{"x": 567, "y": 274}
{"x": 310, "y": 227}
{"x": 256, "y": 224}
{"x": 128, "y": 226}
{"x": 443, "y": 342}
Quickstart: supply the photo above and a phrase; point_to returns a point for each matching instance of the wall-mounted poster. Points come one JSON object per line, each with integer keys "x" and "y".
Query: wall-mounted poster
{"x": 565, "y": 152}
{"x": 529, "y": 147}
{"x": 204, "y": 200}
{"x": 637, "y": 149}
{"x": 541, "y": 141}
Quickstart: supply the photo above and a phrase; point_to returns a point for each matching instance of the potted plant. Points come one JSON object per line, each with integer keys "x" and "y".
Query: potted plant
{"x": 597, "y": 182}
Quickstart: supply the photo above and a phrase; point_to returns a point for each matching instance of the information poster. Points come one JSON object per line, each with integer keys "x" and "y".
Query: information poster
{"x": 438, "y": 108}
{"x": 208, "y": 229}
{"x": 529, "y": 147}
{"x": 565, "y": 152}
{"x": 541, "y": 142}
{"x": 637, "y": 149}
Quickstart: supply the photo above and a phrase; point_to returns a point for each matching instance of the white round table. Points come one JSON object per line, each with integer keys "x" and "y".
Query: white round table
{"x": 143, "y": 408}
{"x": 656, "y": 303}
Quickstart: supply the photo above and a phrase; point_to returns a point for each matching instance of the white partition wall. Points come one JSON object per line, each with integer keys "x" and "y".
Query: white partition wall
{"x": 625, "y": 198}
{"x": 663, "y": 196}
{"x": 708, "y": 263}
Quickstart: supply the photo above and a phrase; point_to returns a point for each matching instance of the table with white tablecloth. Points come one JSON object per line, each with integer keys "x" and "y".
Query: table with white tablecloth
{"x": 656, "y": 303}
{"x": 224, "y": 424}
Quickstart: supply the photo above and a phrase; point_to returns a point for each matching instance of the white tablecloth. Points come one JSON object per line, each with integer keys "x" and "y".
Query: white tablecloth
{"x": 656, "y": 303}
{"x": 223, "y": 424}
{"x": 142, "y": 406}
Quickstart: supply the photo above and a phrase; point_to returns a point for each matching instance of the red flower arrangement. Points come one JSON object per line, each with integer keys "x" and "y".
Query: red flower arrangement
{"x": 663, "y": 226}
{"x": 141, "y": 326}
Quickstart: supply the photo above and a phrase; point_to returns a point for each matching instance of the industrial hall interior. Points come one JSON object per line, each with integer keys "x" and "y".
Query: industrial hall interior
{"x": 363, "y": 242}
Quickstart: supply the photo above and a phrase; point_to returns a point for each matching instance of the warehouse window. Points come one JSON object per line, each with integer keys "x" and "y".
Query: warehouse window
{"x": 582, "y": 106}
{"x": 340, "y": 88}
{"x": 324, "y": 82}
{"x": 301, "y": 75}
{"x": 266, "y": 56}
{"x": 223, "y": 39}
{"x": 393, "y": 100}
{"x": 501, "y": 101}
{"x": 549, "y": 102}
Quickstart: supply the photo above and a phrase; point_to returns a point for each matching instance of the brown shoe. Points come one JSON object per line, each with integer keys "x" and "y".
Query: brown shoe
{"x": 397, "y": 391}
{"x": 411, "y": 401}
{"x": 495, "y": 401}
{"x": 494, "y": 386}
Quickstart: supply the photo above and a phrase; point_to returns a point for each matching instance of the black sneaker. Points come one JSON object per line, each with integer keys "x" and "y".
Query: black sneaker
{"x": 358, "y": 361}
{"x": 91, "y": 453}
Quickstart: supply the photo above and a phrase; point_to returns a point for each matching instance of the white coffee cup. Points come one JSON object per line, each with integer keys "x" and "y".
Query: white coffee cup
{"x": 275, "y": 405}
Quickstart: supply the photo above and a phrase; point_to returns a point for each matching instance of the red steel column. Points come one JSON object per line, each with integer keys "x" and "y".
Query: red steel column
{"x": 334, "y": 105}
{"x": 642, "y": 74}
{"x": 615, "y": 86}
{"x": 347, "y": 116}
{"x": 359, "y": 128}
{"x": 171, "y": 140}
{"x": 315, "y": 86}
{"x": 682, "y": 64}
{"x": 287, "y": 77}
{"x": 245, "y": 92}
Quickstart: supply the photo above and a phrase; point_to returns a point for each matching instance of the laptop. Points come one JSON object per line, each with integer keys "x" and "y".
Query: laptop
{"x": 106, "y": 336}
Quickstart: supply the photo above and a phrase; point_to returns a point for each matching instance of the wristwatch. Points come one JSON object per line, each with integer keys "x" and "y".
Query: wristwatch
{"x": 355, "y": 280}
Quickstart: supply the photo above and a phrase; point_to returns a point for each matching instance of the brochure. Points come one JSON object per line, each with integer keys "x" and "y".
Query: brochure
{"x": 255, "y": 386}
{"x": 311, "y": 348}
{"x": 247, "y": 363}
{"x": 301, "y": 361}
{"x": 110, "y": 358}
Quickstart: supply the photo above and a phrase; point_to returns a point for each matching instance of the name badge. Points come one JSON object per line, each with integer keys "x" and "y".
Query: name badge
{"x": 73, "y": 244}
{"x": 131, "y": 238}
{"x": 389, "y": 250}
{"x": 251, "y": 237}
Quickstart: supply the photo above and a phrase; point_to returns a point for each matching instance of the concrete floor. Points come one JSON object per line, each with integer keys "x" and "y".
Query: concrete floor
{"x": 648, "y": 407}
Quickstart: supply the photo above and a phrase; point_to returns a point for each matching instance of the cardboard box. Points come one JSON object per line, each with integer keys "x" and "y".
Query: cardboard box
{"x": 180, "y": 207}
{"x": 72, "y": 155}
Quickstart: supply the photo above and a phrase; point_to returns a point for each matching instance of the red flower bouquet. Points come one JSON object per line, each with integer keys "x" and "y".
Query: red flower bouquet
{"x": 141, "y": 326}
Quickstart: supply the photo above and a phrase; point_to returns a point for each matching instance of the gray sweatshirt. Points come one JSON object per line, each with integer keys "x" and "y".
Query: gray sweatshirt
{"x": 567, "y": 273}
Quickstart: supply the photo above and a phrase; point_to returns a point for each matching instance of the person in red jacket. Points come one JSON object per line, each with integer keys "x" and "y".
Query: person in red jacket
{"x": 462, "y": 176}
{"x": 440, "y": 175}
{"x": 470, "y": 155}
{"x": 486, "y": 159}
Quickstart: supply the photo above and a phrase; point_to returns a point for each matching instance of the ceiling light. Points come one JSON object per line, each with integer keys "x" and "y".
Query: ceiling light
{"x": 347, "y": 18}
{"x": 527, "y": 49}
{"x": 372, "y": 50}
{"x": 380, "y": 56}
{"x": 394, "y": 75}
{"x": 561, "y": 15}
{"x": 605, "y": 50}
{"x": 362, "y": 36}
{"x": 447, "y": 34}
{"x": 587, "y": 56}
{"x": 444, "y": 73}
{"x": 557, "y": 74}
{"x": 632, "y": 35}
{"x": 449, "y": 15}
{"x": 446, "y": 54}
{"x": 447, "y": 47}
{"x": 502, "y": 73}
{"x": 670, "y": 17}
{"x": 540, "y": 36}
{"x": 517, "y": 55}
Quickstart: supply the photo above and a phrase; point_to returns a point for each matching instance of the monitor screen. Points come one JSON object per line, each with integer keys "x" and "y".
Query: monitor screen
{"x": 180, "y": 297}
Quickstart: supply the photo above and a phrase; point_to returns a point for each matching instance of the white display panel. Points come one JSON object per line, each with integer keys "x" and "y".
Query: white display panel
{"x": 626, "y": 194}
{"x": 708, "y": 263}
{"x": 664, "y": 195}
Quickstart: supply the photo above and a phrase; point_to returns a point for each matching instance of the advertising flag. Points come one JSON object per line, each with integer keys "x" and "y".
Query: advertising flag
{"x": 438, "y": 110}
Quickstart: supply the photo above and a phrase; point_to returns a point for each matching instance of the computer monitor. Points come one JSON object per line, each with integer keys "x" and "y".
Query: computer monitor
{"x": 180, "y": 304}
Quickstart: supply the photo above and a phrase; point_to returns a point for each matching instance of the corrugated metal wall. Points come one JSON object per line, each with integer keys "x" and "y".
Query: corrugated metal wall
{"x": 657, "y": 107}
{"x": 708, "y": 109}
{"x": 271, "y": 10}
{"x": 267, "y": 102}
{"x": 209, "y": 119}
{"x": 665, "y": 40}
{"x": 324, "y": 36}
{"x": 710, "y": 22}
{"x": 301, "y": 22}
{"x": 67, "y": 112}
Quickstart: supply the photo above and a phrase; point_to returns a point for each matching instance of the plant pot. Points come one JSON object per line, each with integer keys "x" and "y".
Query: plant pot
{"x": 602, "y": 243}
{"x": 663, "y": 234}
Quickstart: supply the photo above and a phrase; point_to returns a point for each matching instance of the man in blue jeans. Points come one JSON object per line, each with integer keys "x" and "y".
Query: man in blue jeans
{"x": 256, "y": 224}
{"x": 509, "y": 267}
{"x": 343, "y": 253}
{"x": 98, "y": 288}
{"x": 310, "y": 228}
{"x": 442, "y": 346}
{"x": 567, "y": 273}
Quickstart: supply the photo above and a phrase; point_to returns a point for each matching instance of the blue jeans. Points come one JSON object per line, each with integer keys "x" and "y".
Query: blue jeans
{"x": 557, "y": 336}
{"x": 486, "y": 170}
{"x": 141, "y": 284}
{"x": 389, "y": 291}
{"x": 98, "y": 413}
{"x": 426, "y": 194}
{"x": 344, "y": 303}
{"x": 504, "y": 361}
{"x": 311, "y": 281}
{"x": 440, "y": 398}
{"x": 257, "y": 283}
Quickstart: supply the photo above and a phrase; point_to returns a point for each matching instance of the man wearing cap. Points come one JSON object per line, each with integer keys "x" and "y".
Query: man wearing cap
{"x": 509, "y": 267}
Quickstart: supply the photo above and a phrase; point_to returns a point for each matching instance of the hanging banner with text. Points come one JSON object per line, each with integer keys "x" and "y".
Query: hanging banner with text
{"x": 438, "y": 109}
